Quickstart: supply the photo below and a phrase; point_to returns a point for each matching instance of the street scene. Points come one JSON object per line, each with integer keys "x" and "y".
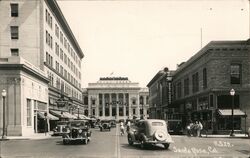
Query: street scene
{"x": 125, "y": 78}
{"x": 112, "y": 144}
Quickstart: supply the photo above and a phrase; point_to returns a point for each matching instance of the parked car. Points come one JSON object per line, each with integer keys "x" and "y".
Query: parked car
{"x": 105, "y": 125}
{"x": 113, "y": 123}
{"x": 60, "y": 128}
{"x": 77, "y": 130}
{"x": 150, "y": 131}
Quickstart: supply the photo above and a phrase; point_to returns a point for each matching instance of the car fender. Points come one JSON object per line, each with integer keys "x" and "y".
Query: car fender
{"x": 132, "y": 135}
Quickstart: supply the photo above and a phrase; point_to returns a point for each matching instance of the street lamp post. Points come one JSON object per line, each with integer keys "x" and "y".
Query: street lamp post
{"x": 4, "y": 95}
{"x": 232, "y": 93}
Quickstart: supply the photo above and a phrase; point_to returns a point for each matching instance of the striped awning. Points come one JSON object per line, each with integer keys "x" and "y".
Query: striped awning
{"x": 63, "y": 114}
{"x": 81, "y": 116}
{"x": 228, "y": 112}
{"x": 49, "y": 116}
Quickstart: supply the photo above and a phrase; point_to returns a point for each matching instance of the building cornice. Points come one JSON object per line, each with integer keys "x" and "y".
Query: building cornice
{"x": 25, "y": 68}
{"x": 210, "y": 46}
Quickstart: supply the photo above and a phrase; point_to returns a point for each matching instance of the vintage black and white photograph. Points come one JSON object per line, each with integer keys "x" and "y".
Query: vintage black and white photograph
{"x": 125, "y": 78}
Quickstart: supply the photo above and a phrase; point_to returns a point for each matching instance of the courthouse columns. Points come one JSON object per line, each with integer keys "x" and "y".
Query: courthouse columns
{"x": 129, "y": 106}
{"x": 117, "y": 105}
{"x": 103, "y": 105}
{"x": 97, "y": 105}
{"x": 138, "y": 105}
{"x": 110, "y": 105}
{"x": 124, "y": 105}
{"x": 144, "y": 104}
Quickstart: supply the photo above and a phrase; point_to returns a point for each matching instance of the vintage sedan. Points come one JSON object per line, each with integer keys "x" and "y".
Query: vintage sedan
{"x": 105, "y": 125}
{"x": 150, "y": 131}
{"x": 77, "y": 130}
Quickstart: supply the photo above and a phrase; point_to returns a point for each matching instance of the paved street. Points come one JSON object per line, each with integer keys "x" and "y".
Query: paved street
{"x": 111, "y": 144}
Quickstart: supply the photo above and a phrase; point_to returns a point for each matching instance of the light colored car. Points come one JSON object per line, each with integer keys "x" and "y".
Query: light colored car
{"x": 150, "y": 131}
{"x": 77, "y": 130}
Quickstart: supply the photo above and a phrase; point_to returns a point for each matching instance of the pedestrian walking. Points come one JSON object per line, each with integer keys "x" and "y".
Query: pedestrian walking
{"x": 128, "y": 126}
{"x": 199, "y": 128}
{"x": 122, "y": 128}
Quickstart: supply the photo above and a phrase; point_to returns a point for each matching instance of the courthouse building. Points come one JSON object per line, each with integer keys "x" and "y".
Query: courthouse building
{"x": 37, "y": 40}
{"x": 117, "y": 98}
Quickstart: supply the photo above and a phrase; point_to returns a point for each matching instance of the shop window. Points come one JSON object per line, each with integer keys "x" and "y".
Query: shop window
{"x": 29, "y": 112}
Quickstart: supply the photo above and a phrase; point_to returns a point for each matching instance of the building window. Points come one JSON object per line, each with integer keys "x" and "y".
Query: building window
{"x": 28, "y": 112}
{"x": 14, "y": 52}
{"x": 61, "y": 37}
{"x": 235, "y": 73}
{"x": 204, "y": 78}
{"x": 186, "y": 86}
{"x": 195, "y": 82}
{"x": 211, "y": 100}
{"x": 179, "y": 89}
{"x": 14, "y": 32}
{"x": 14, "y": 10}
{"x": 134, "y": 101}
{"x": 133, "y": 111}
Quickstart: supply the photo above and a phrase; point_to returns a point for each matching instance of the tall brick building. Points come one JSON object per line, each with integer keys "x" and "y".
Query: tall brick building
{"x": 201, "y": 87}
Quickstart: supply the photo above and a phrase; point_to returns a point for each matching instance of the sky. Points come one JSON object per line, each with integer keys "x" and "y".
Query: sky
{"x": 137, "y": 38}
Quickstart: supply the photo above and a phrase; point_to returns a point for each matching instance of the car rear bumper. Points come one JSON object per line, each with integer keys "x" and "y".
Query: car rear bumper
{"x": 159, "y": 142}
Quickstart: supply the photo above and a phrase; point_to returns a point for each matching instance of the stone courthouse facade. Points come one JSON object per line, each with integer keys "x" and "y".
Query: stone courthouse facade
{"x": 117, "y": 98}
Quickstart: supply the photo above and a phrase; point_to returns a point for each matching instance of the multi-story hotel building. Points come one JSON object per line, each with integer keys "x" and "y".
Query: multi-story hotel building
{"x": 201, "y": 87}
{"x": 37, "y": 34}
{"x": 117, "y": 98}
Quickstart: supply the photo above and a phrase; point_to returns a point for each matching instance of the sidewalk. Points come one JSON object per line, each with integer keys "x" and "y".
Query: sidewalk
{"x": 36, "y": 136}
{"x": 224, "y": 136}
{"x": 215, "y": 136}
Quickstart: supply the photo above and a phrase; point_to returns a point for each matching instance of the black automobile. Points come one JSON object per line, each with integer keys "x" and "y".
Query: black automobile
{"x": 77, "y": 130}
{"x": 105, "y": 125}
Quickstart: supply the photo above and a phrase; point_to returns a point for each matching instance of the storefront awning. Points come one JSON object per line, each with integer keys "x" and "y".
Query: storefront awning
{"x": 81, "y": 116}
{"x": 49, "y": 116}
{"x": 62, "y": 114}
{"x": 228, "y": 112}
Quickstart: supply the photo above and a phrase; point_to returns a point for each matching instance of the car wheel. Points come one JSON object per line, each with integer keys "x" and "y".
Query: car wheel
{"x": 166, "y": 145}
{"x": 66, "y": 141}
{"x": 142, "y": 144}
{"x": 86, "y": 141}
{"x": 130, "y": 140}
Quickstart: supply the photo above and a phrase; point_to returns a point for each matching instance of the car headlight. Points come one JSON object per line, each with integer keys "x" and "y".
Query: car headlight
{"x": 80, "y": 131}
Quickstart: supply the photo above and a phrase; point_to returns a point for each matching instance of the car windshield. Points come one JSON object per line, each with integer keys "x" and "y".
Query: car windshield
{"x": 62, "y": 123}
{"x": 157, "y": 124}
{"x": 77, "y": 124}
